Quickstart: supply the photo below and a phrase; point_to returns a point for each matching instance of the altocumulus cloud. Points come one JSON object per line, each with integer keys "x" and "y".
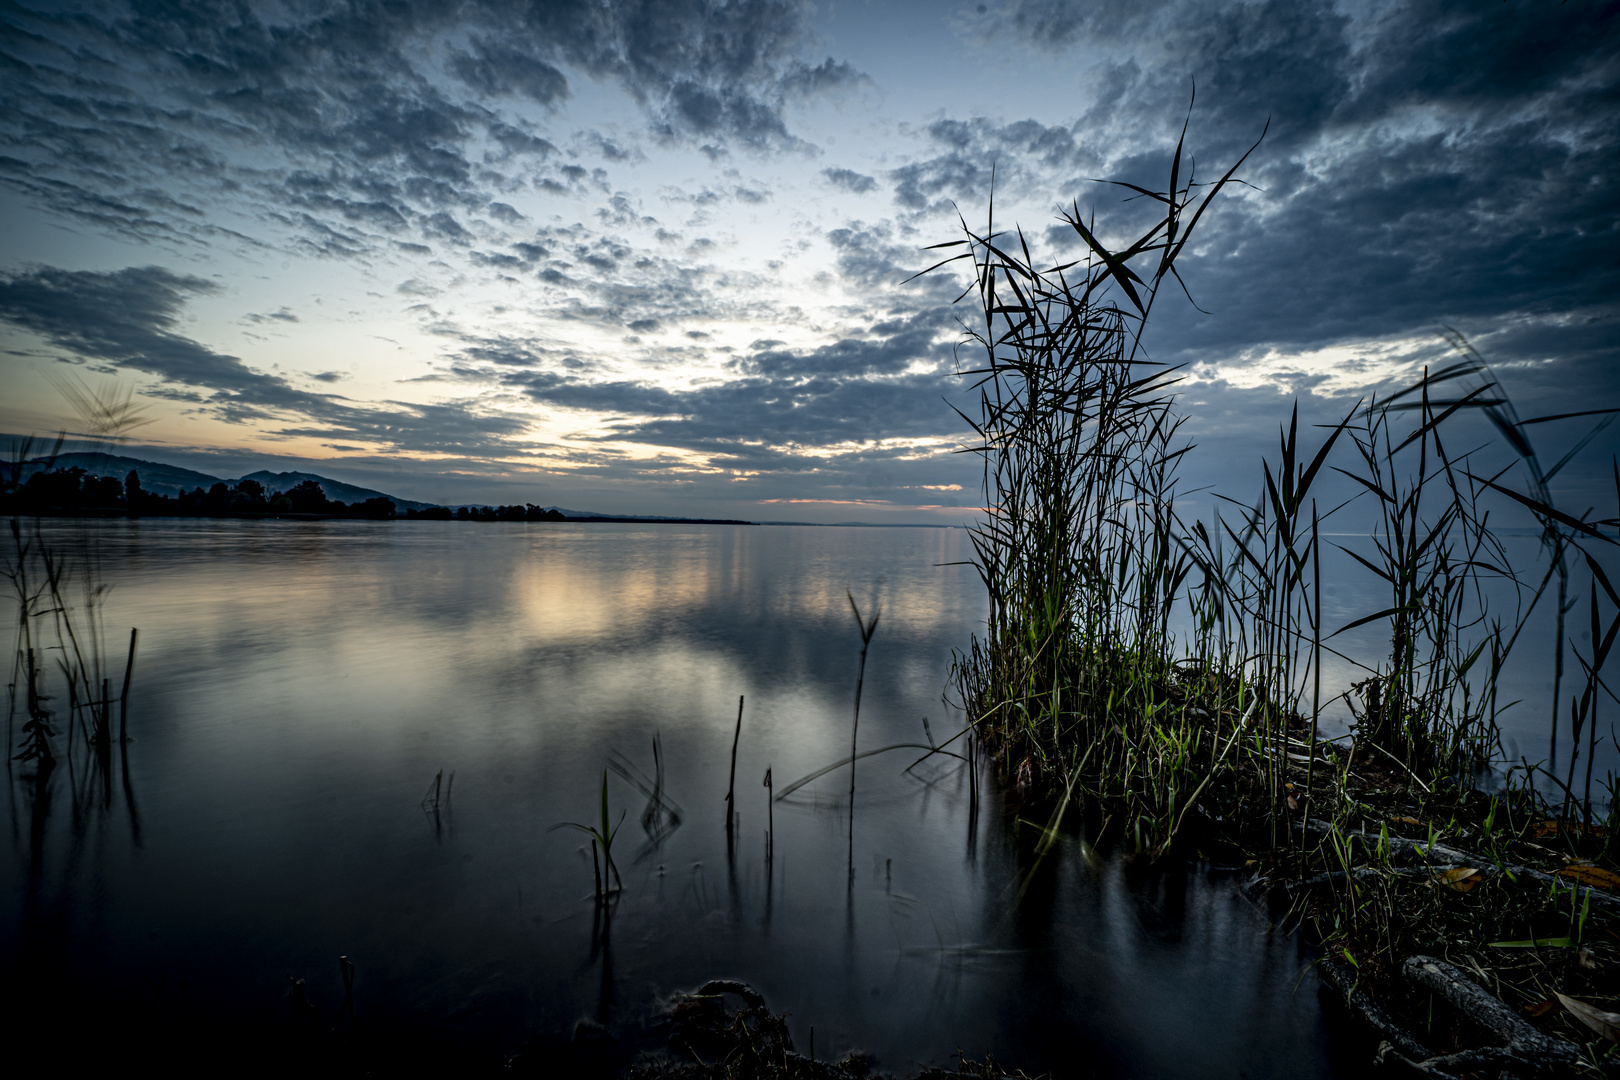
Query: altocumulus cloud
{"x": 359, "y": 120}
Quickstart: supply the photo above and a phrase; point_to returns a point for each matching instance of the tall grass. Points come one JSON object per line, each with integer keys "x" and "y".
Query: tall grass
{"x": 63, "y": 670}
{"x": 1074, "y": 682}
{"x": 1079, "y": 684}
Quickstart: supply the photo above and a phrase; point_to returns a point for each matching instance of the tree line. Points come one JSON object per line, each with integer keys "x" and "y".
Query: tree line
{"x": 72, "y": 490}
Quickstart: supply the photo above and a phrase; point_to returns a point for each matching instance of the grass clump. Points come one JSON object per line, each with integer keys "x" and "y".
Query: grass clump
{"x": 1076, "y": 684}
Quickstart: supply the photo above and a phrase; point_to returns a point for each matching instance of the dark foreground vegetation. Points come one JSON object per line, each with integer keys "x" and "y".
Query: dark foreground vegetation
{"x": 1477, "y": 931}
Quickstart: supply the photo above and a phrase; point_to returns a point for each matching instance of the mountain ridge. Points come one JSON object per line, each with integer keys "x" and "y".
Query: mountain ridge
{"x": 171, "y": 480}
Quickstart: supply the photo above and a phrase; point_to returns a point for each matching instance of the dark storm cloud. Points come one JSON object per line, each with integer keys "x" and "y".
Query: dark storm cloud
{"x": 128, "y": 318}
{"x": 395, "y": 102}
{"x": 1427, "y": 162}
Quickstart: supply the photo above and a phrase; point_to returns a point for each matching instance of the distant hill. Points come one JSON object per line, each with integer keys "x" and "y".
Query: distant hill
{"x": 336, "y": 490}
{"x": 171, "y": 480}
{"x": 157, "y": 478}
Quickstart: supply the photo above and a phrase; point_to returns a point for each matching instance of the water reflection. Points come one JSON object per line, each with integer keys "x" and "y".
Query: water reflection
{"x": 302, "y": 684}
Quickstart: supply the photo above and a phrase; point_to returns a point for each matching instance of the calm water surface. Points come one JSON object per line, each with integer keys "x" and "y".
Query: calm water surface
{"x": 299, "y": 686}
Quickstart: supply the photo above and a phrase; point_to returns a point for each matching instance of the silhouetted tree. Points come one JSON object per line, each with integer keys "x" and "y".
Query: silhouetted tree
{"x": 247, "y": 498}
{"x": 307, "y": 497}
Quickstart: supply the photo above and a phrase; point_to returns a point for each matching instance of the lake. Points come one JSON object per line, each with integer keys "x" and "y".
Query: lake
{"x": 300, "y": 685}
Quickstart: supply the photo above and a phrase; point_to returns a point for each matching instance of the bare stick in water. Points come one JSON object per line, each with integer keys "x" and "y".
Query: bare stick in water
{"x": 770, "y": 816}
{"x": 731, "y": 785}
{"x": 867, "y": 629}
{"x": 123, "y": 699}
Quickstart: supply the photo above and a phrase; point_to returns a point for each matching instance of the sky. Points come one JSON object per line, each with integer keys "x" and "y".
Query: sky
{"x": 654, "y": 257}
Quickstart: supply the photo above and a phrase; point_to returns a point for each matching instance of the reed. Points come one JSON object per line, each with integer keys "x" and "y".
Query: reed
{"x": 1078, "y": 684}
{"x": 60, "y": 597}
{"x": 602, "y": 837}
{"x": 867, "y": 628}
{"x": 1208, "y": 738}
{"x": 1074, "y": 684}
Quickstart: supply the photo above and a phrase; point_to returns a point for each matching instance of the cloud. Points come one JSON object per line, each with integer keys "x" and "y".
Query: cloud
{"x": 283, "y": 315}
{"x": 1058, "y": 24}
{"x": 503, "y": 212}
{"x": 128, "y": 318}
{"x": 496, "y": 68}
{"x": 849, "y": 180}
{"x": 351, "y": 124}
{"x": 1023, "y": 155}
{"x": 1426, "y": 162}
{"x": 826, "y": 415}
{"x": 805, "y": 80}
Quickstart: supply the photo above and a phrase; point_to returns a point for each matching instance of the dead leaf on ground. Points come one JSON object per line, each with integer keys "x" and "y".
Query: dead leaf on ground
{"x": 1543, "y": 829}
{"x": 1541, "y": 1008}
{"x": 1606, "y": 1024}
{"x": 1461, "y": 878}
{"x": 1592, "y": 875}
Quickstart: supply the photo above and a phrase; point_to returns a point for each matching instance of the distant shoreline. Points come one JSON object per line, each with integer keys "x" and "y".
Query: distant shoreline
{"x": 112, "y": 512}
{"x": 97, "y": 484}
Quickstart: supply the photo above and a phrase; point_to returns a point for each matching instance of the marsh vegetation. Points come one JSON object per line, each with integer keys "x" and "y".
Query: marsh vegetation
{"x": 1412, "y": 834}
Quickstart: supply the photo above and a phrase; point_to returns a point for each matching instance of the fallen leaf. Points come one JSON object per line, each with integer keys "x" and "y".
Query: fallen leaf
{"x": 1541, "y": 1008}
{"x": 1461, "y": 878}
{"x": 1543, "y": 829}
{"x": 1606, "y": 1024}
{"x": 1592, "y": 875}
